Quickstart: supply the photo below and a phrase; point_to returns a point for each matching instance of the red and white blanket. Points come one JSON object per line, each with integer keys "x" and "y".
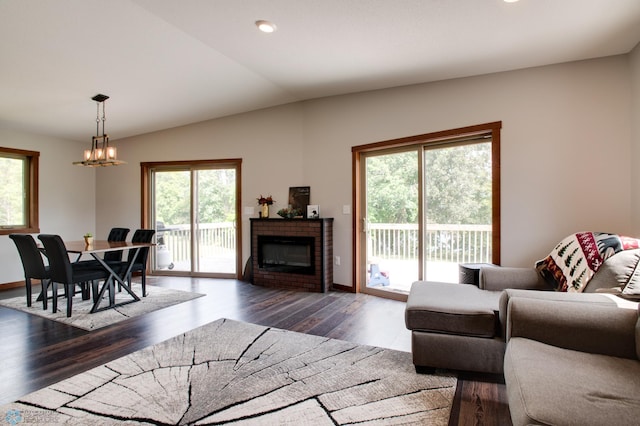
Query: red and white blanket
{"x": 576, "y": 258}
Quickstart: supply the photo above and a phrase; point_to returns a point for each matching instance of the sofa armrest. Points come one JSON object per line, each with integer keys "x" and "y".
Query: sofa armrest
{"x": 579, "y": 326}
{"x": 496, "y": 279}
{"x": 596, "y": 298}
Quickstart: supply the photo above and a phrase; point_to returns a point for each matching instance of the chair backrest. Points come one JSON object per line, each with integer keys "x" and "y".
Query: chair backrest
{"x": 31, "y": 256}
{"x": 116, "y": 234}
{"x": 141, "y": 236}
{"x": 59, "y": 264}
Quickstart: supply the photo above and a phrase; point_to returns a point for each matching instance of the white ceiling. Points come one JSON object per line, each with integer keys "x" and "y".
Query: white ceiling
{"x": 166, "y": 63}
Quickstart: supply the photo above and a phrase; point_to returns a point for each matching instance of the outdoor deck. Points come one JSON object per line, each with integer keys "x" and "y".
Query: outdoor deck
{"x": 392, "y": 248}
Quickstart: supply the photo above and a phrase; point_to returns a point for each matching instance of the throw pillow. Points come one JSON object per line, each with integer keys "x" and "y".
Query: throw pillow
{"x": 619, "y": 271}
{"x": 574, "y": 261}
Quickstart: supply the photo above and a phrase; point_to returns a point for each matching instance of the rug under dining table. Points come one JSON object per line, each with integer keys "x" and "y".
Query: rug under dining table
{"x": 245, "y": 374}
{"x": 157, "y": 298}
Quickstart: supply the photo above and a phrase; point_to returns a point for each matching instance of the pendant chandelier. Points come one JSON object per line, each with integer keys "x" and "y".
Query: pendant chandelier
{"x": 100, "y": 154}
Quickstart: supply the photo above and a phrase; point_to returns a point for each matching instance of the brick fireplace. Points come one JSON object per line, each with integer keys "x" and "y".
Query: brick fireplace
{"x": 303, "y": 249}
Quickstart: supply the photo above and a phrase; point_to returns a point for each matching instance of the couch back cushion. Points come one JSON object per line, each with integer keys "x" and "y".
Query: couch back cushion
{"x": 620, "y": 272}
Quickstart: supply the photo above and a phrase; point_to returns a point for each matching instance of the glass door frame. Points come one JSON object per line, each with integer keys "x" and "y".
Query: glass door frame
{"x": 146, "y": 218}
{"x": 358, "y": 194}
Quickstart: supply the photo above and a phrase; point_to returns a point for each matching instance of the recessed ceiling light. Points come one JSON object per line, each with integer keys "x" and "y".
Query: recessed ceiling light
{"x": 510, "y": 1}
{"x": 266, "y": 26}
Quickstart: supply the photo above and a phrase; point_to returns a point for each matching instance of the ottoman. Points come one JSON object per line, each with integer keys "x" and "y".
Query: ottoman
{"x": 455, "y": 326}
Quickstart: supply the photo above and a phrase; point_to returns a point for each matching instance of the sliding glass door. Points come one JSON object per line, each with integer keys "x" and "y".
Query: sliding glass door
{"x": 424, "y": 207}
{"x": 391, "y": 220}
{"x": 457, "y": 207}
{"x": 194, "y": 209}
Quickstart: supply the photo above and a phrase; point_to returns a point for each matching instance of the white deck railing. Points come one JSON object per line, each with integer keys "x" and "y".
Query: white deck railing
{"x": 215, "y": 239}
{"x": 447, "y": 243}
{"x": 444, "y": 243}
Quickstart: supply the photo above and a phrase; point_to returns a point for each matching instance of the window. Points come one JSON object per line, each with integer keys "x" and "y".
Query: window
{"x": 19, "y": 191}
{"x": 424, "y": 204}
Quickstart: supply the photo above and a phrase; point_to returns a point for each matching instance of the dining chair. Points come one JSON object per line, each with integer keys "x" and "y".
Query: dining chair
{"x": 62, "y": 271}
{"x": 116, "y": 234}
{"x": 140, "y": 262}
{"x": 33, "y": 265}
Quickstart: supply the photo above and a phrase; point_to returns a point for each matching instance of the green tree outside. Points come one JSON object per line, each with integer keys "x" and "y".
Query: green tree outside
{"x": 215, "y": 196}
{"x": 457, "y": 186}
{"x": 12, "y": 203}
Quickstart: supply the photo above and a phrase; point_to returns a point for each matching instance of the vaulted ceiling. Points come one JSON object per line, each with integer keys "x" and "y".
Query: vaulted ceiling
{"x": 166, "y": 63}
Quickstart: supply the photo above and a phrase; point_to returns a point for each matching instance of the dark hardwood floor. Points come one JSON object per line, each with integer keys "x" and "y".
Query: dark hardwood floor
{"x": 37, "y": 352}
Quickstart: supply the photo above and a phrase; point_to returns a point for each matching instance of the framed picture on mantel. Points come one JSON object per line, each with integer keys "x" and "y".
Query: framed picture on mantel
{"x": 313, "y": 211}
{"x": 299, "y": 198}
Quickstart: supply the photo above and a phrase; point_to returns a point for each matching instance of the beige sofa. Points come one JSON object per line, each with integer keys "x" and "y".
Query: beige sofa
{"x": 462, "y": 327}
{"x": 571, "y": 363}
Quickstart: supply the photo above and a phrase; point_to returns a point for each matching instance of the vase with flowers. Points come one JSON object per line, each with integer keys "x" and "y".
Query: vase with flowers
{"x": 265, "y": 202}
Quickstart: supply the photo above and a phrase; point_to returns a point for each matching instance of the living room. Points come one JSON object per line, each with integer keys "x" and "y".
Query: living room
{"x": 570, "y": 138}
{"x": 556, "y": 119}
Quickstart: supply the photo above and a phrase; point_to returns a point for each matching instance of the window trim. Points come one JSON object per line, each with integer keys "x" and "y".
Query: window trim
{"x": 33, "y": 158}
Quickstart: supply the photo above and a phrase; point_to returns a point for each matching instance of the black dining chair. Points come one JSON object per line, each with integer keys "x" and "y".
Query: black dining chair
{"x": 140, "y": 262}
{"x": 116, "y": 234}
{"x": 62, "y": 271}
{"x": 33, "y": 265}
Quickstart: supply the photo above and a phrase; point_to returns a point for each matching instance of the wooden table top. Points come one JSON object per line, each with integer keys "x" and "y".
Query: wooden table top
{"x": 100, "y": 246}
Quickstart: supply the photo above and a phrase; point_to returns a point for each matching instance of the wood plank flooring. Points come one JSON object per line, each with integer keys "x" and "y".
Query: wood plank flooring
{"x": 37, "y": 352}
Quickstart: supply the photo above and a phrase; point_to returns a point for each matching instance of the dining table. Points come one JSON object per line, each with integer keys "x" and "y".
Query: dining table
{"x": 96, "y": 250}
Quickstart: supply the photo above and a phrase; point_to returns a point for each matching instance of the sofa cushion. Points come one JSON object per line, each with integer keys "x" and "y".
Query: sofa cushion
{"x": 547, "y": 385}
{"x": 620, "y": 272}
{"x": 452, "y": 308}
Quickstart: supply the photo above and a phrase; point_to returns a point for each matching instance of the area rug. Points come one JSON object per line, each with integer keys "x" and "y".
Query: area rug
{"x": 157, "y": 298}
{"x": 230, "y": 372}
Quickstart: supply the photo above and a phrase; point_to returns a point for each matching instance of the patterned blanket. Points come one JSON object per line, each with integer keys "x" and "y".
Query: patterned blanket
{"x": 576, "y": 258}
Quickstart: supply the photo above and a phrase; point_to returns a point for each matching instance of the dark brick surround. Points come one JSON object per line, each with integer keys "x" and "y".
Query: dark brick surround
{"x": 320, "y": 229}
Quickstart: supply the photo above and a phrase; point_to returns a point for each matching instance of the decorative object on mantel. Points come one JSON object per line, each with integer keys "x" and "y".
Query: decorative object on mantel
{"x": 313, "y": 211}
{"x": 289, "y": 213}
{"x": 299, "y": 198}
{"x": 100, "y": 154}
{"x": 265, "y": 202}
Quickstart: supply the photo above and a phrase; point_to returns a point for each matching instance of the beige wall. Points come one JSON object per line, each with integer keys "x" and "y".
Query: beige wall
{"x": 67, "y": 194}
{"x": 566, "y": 149}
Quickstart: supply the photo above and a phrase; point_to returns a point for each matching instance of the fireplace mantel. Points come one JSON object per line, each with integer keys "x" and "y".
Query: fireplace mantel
{"x": 321, "y": 230}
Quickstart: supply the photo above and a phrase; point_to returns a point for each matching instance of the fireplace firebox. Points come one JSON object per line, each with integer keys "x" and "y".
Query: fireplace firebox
{"x": 294, "y": 255}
